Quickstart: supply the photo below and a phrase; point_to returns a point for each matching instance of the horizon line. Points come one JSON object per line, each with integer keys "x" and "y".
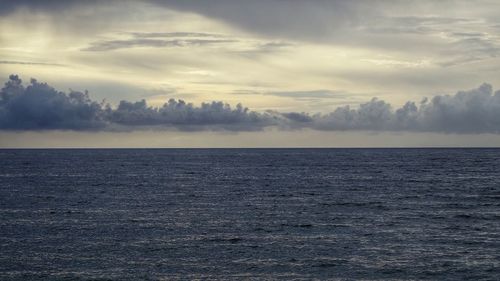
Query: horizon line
{"x": 234, "y": 148}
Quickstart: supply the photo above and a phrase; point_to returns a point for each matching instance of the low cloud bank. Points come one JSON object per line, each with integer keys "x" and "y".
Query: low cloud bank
{"x": 41, "y": 107}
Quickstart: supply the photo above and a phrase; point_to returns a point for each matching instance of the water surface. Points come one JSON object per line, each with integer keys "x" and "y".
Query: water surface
{"x": 430, "y": 214}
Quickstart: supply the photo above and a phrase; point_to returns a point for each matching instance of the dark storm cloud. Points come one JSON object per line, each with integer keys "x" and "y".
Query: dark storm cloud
{"x": 40, "y": 107}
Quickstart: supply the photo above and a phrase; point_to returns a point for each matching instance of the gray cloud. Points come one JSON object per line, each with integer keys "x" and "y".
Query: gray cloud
{"x": 9, "y": 6}
{"x": 289, "y": 19}
{"x": 309, "y": 94}
{"x": 471, "y": 47}
{"x": 186, "y": 116}
{"x": 473, "y": 111}
{"x": 184, "y": 39}
{"x": 175, "y": 34}
{"x": 160, "y": 39}
{"x": 29, "y": 63}
{"x": 317, "y": 20}
{"x": 146, "y": 42}
{"x": 423, "y": 28}
{"x": 41, "y": 107}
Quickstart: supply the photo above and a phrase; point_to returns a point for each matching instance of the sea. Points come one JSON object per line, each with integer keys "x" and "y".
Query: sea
{"x": 250, "y": 214}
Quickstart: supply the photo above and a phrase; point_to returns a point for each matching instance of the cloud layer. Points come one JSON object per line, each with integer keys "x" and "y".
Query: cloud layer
{"x": 160, "y": 39}
{"x": 41, "y": 107}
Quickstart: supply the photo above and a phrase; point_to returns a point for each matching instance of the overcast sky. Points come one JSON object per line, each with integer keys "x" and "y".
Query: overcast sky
{"x": 294, "y": 64}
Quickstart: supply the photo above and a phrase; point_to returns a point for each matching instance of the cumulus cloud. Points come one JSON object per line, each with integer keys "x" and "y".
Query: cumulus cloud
{"x": 186, "y": 116}
{"x": 473, "y": 111}
{"x": 40, "y": 107}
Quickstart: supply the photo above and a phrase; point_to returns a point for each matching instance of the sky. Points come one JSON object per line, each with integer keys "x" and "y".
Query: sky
{"x": 249, "y": 73}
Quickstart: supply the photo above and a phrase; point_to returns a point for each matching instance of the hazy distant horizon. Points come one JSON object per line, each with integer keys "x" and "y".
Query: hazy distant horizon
{"x": 210, "y": 140}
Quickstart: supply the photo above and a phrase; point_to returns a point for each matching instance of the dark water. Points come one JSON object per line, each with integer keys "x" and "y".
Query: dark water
{"x": 250, "y": 214}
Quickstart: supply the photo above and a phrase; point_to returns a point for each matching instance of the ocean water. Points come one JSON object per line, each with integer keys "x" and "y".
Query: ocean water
{"x": 252, "y": 214}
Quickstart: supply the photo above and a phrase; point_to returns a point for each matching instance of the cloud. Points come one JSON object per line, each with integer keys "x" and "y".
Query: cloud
{"x": 176, "y": 34}
{"x": 186, "y": 116}
{"x": 187, "y": 39}
{"x": 154, "y": 43}
{"x": 29, "y": 63}
{"x": 417, "y": 30}
{"x": 309, "y": 94}
{"x": 160, "y": 39}
{"x": 291, "y": 19}
{"x": 301, "y": 95}
{"x": 473, "y": 111}
{"x": 9, "y": 6}
{"x": 427, "y": 29}
{"x": 40, "y": 107}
